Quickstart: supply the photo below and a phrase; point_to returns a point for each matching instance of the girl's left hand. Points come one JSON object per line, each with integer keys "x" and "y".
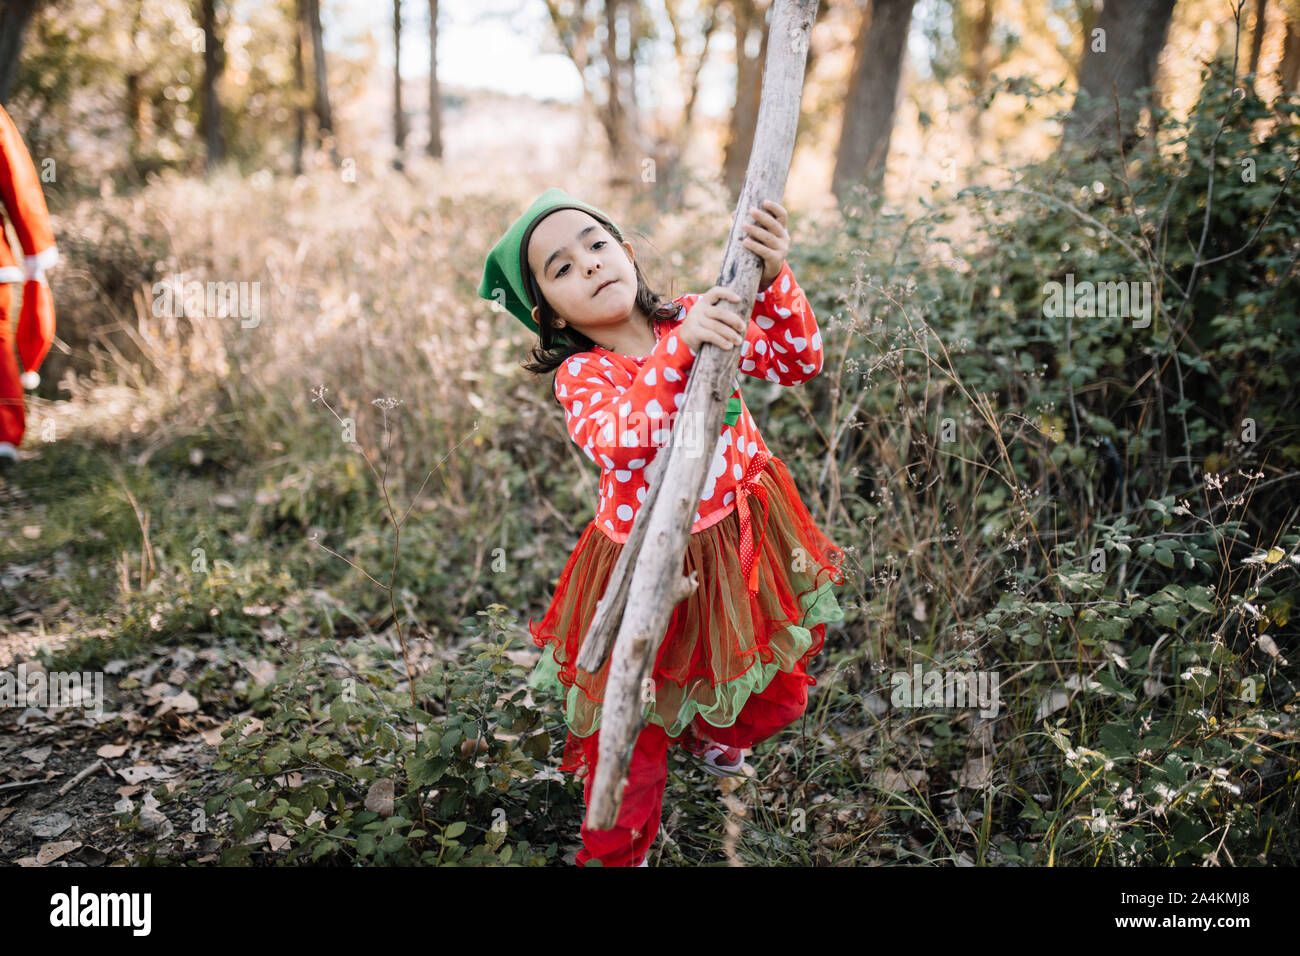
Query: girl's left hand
{"x": 768, "y": 238}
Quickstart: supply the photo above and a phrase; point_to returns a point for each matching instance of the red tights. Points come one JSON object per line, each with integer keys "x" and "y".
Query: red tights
{"x": 763, "y": 715}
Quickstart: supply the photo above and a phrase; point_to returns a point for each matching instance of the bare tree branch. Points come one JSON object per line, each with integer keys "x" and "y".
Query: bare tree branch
{"x": 647, "y": 582}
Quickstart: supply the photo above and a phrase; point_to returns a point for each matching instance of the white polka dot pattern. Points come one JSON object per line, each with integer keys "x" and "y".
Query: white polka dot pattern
{"x": 783, "y": 343}
{"x": 619, "y": 410}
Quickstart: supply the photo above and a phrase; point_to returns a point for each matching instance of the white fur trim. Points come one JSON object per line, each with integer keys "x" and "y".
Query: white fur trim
{"x": 8, "y": 451}
{"x": 45, "y": 259}
{"x": 12, "y": 274}
{"x": 30, "y": 379}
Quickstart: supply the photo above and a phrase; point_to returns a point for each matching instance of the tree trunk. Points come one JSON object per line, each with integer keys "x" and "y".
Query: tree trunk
{"x": 399, "y": 121}
{"x": 691, "y": 69}
{"x": 981, "y": 32}
{"x": 575, "y": 28}
{"x": 1120, "y": 60}
{"x": 647, "y": 580}
{"x": 324, "y": 117}
{"x": 1289, "y": 68}
{"x": 746, "y": 17}
{"x": 213, "y": 64}
{"x": 616, "y": 115}
{"x": 1257, "y": 35}
{"x": 300, "y": 26}
{"x": 14, "y": 17}
{"x": 671, "y": 140}
{"x": 135, "y": 102}
{"x": 873, "y": 93}
{"x": 134, "y": 115}
{"x": 434, "y": 147}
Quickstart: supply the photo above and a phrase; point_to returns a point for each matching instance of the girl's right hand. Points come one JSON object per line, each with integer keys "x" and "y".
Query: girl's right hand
{"x": 709, "y": 320}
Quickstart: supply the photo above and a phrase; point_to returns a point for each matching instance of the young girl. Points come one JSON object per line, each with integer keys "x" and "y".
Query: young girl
{"x": 732, "y": 668}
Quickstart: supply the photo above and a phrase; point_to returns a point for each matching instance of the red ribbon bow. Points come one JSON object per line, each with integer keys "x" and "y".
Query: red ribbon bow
{"x": 748, "y": 547}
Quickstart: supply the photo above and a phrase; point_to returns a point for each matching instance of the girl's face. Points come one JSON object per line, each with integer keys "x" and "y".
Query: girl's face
{"x": 585, "y": 273}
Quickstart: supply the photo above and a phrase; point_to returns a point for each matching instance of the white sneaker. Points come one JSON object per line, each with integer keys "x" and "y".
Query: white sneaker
{"x": 718, "y": 759}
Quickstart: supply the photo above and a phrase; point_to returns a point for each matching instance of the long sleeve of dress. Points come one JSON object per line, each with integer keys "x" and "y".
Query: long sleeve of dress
{"x": 617, "y": 419}
{"x": 783, "y": 343}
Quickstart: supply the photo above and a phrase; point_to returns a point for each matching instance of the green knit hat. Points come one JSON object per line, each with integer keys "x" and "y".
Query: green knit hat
{"x": 506, "y": 269}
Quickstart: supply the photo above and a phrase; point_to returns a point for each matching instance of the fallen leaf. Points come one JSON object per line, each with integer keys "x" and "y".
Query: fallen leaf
{"x": 50, "y": 825}
{"x": 379, "y": 798}
{"x": 263, "y": 672}
{"x": 977, "y": 773}
{"x": 156, "y": 692}
{"x": 1051, "y": 702}
{"x": 136, "y": 774}
{"x": 279, "y": 842}
{"x": 112, "y": 750}
{"x": 900, "y": 781}
{"x": 52, "y": 851}
{"x": 32, "y": 713}
{"x": 729, "y": 785}
{"x": 92, "y": 856}
{"x": 154, "y": 823}
{"x": 135, "y": 723}
{"x": 182, "y": 703}
{"x": 38, "y": 755}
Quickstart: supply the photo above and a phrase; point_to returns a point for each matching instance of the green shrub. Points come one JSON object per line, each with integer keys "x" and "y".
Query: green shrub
{"x": 339, "y": 730}
{"x": 1104, "y": 510}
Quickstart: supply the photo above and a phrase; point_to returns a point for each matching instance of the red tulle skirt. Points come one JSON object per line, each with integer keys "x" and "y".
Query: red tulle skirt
{"x": 725, "y": 641}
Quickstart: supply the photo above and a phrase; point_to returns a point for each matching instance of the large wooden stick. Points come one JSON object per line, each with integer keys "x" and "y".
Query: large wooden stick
{"x": 647, "y": 581}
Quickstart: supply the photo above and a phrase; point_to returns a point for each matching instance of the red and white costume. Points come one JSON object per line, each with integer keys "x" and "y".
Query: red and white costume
{"x": 732, "y": 665}
{"x": 608, "y": 396}
{"x": 24, "y": 205}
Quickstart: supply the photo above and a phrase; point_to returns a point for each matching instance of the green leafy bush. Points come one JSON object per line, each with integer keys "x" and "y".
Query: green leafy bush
{"x": 1103, "y": 508}
{"x": 336, "y": 765}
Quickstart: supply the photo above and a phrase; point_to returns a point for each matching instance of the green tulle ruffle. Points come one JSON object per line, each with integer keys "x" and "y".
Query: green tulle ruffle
{"x": 788, "y": 645}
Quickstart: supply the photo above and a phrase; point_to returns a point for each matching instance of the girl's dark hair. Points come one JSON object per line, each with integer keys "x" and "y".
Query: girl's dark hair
{"x": 558, "y": 344}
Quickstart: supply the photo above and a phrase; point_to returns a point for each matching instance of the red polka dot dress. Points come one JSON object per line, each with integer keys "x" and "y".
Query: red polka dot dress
{"x": 765, "y": 570}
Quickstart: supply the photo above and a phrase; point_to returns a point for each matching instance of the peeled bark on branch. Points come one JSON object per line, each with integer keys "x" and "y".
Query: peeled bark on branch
{"x": 647, "y": 582}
